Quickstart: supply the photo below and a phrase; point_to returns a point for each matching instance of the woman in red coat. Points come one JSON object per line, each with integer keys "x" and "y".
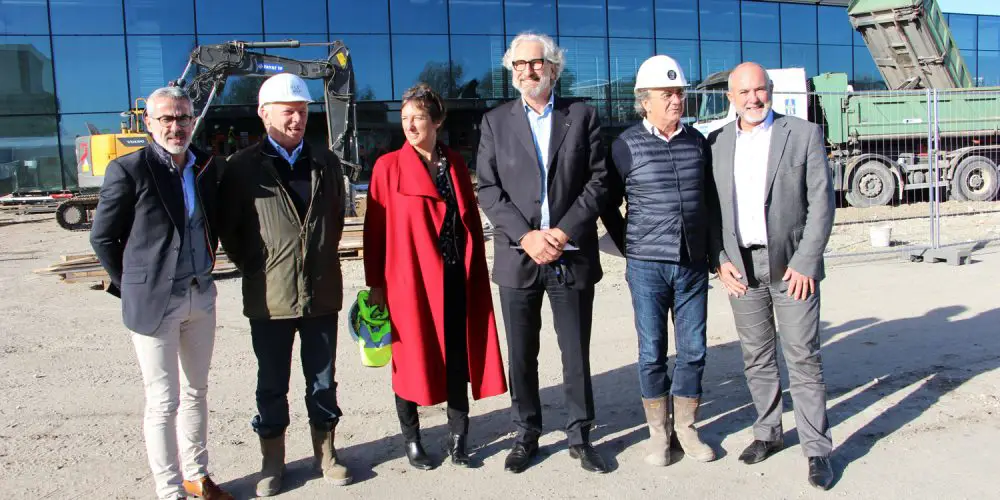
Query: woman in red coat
{"x": 425, "y": 259}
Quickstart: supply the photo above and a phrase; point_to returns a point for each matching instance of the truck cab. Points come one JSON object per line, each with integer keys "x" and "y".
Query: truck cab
{"x": 789, "y": 97}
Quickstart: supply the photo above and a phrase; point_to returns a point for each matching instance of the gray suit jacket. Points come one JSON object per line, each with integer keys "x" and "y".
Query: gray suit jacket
{"x": 800, "y": 204}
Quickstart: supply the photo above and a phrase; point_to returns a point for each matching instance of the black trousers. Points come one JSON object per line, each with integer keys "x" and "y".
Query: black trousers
{"x": 456, "y": 361}
{"x": 272, "y": 344}
{"x": 572, "y": 312}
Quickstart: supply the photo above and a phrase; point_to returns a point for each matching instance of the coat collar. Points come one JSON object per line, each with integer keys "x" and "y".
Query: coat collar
{"x": 779, "y": 138}
{"x": 560, "y": 126}
{"x": 414, "y": 180}
{"x": 161, "y": 169}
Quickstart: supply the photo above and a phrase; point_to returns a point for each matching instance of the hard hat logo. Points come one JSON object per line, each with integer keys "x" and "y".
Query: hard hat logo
{"x": 672, "y": 75}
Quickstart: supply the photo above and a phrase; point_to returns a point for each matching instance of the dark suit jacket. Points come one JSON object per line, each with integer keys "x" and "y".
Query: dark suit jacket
{"x": 138, "y": 229}
{"x": 510, "y": 185}
{"x": 800, "y": 205}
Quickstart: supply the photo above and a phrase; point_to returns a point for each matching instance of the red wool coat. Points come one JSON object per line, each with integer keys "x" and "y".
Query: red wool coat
{"x": 402, "y": 222}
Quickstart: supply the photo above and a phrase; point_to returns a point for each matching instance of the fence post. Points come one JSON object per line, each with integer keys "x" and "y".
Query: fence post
{"x": 936, "y": 176}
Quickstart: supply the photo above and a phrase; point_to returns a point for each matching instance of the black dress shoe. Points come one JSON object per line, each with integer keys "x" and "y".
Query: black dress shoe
{"x": 456, "y": 449}
{"x": 590, "y": 460}
{"x": 758, "y": 451}
{"x": 417, "y": 457}
{"x": 820, "y": 472}
{"x": 520, "y": 456}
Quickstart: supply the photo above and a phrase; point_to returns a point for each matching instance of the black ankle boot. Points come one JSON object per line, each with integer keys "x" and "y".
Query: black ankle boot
{"x": 417, "y": 457}
{"x": 456, "y": 448}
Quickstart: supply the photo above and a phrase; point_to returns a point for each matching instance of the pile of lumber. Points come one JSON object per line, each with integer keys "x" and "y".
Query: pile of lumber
{"x": 352, "y": 241}
{"x": 84, "y": 267}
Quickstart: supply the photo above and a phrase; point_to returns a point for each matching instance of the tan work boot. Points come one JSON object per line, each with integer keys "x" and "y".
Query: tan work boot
{"x": 658, "y": 446}
{"x": 325, "y": 453}
{"x": 272, "y": 466}
{"x": 685, "y": 411}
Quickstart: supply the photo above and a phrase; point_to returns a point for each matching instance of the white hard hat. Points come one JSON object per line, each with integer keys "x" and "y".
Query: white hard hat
{"x": 659, "y": 72}
{"x": 283, "y": 87}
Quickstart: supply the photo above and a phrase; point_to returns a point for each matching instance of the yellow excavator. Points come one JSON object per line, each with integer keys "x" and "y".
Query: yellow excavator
{"x": 215, "y": 64}
{"x": 93, "y": 154}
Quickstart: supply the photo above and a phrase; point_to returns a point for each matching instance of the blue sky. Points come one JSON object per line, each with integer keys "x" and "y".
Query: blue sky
{"x": 991, "y": 7}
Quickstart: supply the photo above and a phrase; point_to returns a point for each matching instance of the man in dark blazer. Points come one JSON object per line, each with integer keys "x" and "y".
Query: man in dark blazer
{"x": 153, "y": 234}
{"x": 777, "y": 212}
{"x": 542, "y": 184}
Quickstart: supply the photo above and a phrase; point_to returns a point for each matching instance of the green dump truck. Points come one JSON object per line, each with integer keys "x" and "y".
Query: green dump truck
{"x": 879, "y": 142}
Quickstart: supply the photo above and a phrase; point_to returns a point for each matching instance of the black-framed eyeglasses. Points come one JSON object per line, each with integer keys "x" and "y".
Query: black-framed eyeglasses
{"x": 536, "y": 64}
{"x": 167, "y": 120}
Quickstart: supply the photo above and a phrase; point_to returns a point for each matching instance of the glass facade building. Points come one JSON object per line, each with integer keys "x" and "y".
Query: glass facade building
{"x": 71, "y": 67}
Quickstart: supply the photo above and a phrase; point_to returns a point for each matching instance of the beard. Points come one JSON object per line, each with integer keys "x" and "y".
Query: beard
{"x": 175, "y": 149}
{"x": 544, "y": 85}
{"x": 755, "y": 120}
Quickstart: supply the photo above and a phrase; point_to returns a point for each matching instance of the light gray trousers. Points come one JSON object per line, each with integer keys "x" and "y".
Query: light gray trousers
{"x": 174, "y": 361}
{"x": 764, "y": 316}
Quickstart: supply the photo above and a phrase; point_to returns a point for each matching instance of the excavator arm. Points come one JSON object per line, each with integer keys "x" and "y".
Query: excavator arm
{"x": 220, "y": 61}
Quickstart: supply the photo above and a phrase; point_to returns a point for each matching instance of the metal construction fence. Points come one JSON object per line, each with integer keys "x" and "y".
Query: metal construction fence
{"x": 912, "y": 170}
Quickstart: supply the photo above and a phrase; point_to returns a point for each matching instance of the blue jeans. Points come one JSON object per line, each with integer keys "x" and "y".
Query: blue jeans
{"x": 272, "y": 343}
{"x": 682, "y": 290}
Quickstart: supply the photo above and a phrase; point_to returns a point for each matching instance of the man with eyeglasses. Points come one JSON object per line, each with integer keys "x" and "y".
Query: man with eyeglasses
{"x": 154, "y": 233}
{"x": 281, "y": 217}
{"x": 662, "y": 168}
{"x": 542, "y": 183}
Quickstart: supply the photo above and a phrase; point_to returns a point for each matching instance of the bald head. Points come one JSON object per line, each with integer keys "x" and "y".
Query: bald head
{"x": 748, "y": 68}
{"x": 750, "y": 92}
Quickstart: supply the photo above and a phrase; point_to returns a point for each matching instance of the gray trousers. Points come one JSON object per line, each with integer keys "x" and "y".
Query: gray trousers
{"x": 764, "y": 316}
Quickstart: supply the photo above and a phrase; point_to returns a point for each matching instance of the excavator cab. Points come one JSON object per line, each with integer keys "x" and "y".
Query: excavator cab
{"x": 95, "y": 151}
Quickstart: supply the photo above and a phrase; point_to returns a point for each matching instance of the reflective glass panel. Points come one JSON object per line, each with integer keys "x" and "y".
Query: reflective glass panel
{"x": 352, "y": 16}
{"x": 26, "y": 83}
{"x": 476, "y": 17}
{"x": 29, "y": 154}
{"x": 419, "y": 16}
{"x": 759, "y": 22}
{"x": 677, "y": 19}
{"x": 24, "y": 17}
{"x": 422, "y": 58}
{"x": 156, "y": 17}
{"x": 476, "y": 67}
{"x": 86, "y": 83}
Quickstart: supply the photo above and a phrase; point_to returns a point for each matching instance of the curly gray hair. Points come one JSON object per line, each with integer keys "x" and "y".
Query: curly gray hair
{"x": 552, "y": 53}
{"x": 641, "y": 95}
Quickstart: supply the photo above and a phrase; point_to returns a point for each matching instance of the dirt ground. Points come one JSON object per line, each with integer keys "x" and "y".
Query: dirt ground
{"x": 911, "y": 350}
{"x": 960, "y": 222}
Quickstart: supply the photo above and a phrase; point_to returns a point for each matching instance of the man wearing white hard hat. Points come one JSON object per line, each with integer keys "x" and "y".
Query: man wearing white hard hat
{"x": 282, "y": 215}
{"x": 661, "y": 167}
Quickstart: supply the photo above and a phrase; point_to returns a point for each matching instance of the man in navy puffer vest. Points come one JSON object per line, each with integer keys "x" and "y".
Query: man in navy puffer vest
{"x": 663, "y": 171}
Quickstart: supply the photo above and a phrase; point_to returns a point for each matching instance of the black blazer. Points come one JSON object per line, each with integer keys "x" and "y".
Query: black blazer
{"x": 138, "y": 229}
{"x": 509, "y": 188}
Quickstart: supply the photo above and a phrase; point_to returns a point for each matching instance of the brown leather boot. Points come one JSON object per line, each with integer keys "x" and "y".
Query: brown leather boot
{"x": 325, "y": 453}
{"x": 206, "y": 489}
{"x": 272, "y": 466}
{"x": 658, "y": 445}
{"x": 685, "y": 412}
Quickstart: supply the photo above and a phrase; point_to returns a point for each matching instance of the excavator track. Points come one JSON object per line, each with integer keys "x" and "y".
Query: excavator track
{"x": 75, "y": 214}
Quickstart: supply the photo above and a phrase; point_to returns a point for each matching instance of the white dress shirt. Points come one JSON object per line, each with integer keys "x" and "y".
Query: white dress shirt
{"x": 750, "y": 180}
{"x": 656, "y": 132}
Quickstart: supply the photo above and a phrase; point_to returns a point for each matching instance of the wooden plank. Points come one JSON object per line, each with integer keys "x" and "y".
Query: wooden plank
{"x": 76, "y": 258}
{"x": 352, "y": 254}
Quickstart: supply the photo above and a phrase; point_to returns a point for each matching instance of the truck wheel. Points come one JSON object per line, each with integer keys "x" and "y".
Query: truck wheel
{"x": 975, "y": 179}
{"x": 871, "y": 185}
